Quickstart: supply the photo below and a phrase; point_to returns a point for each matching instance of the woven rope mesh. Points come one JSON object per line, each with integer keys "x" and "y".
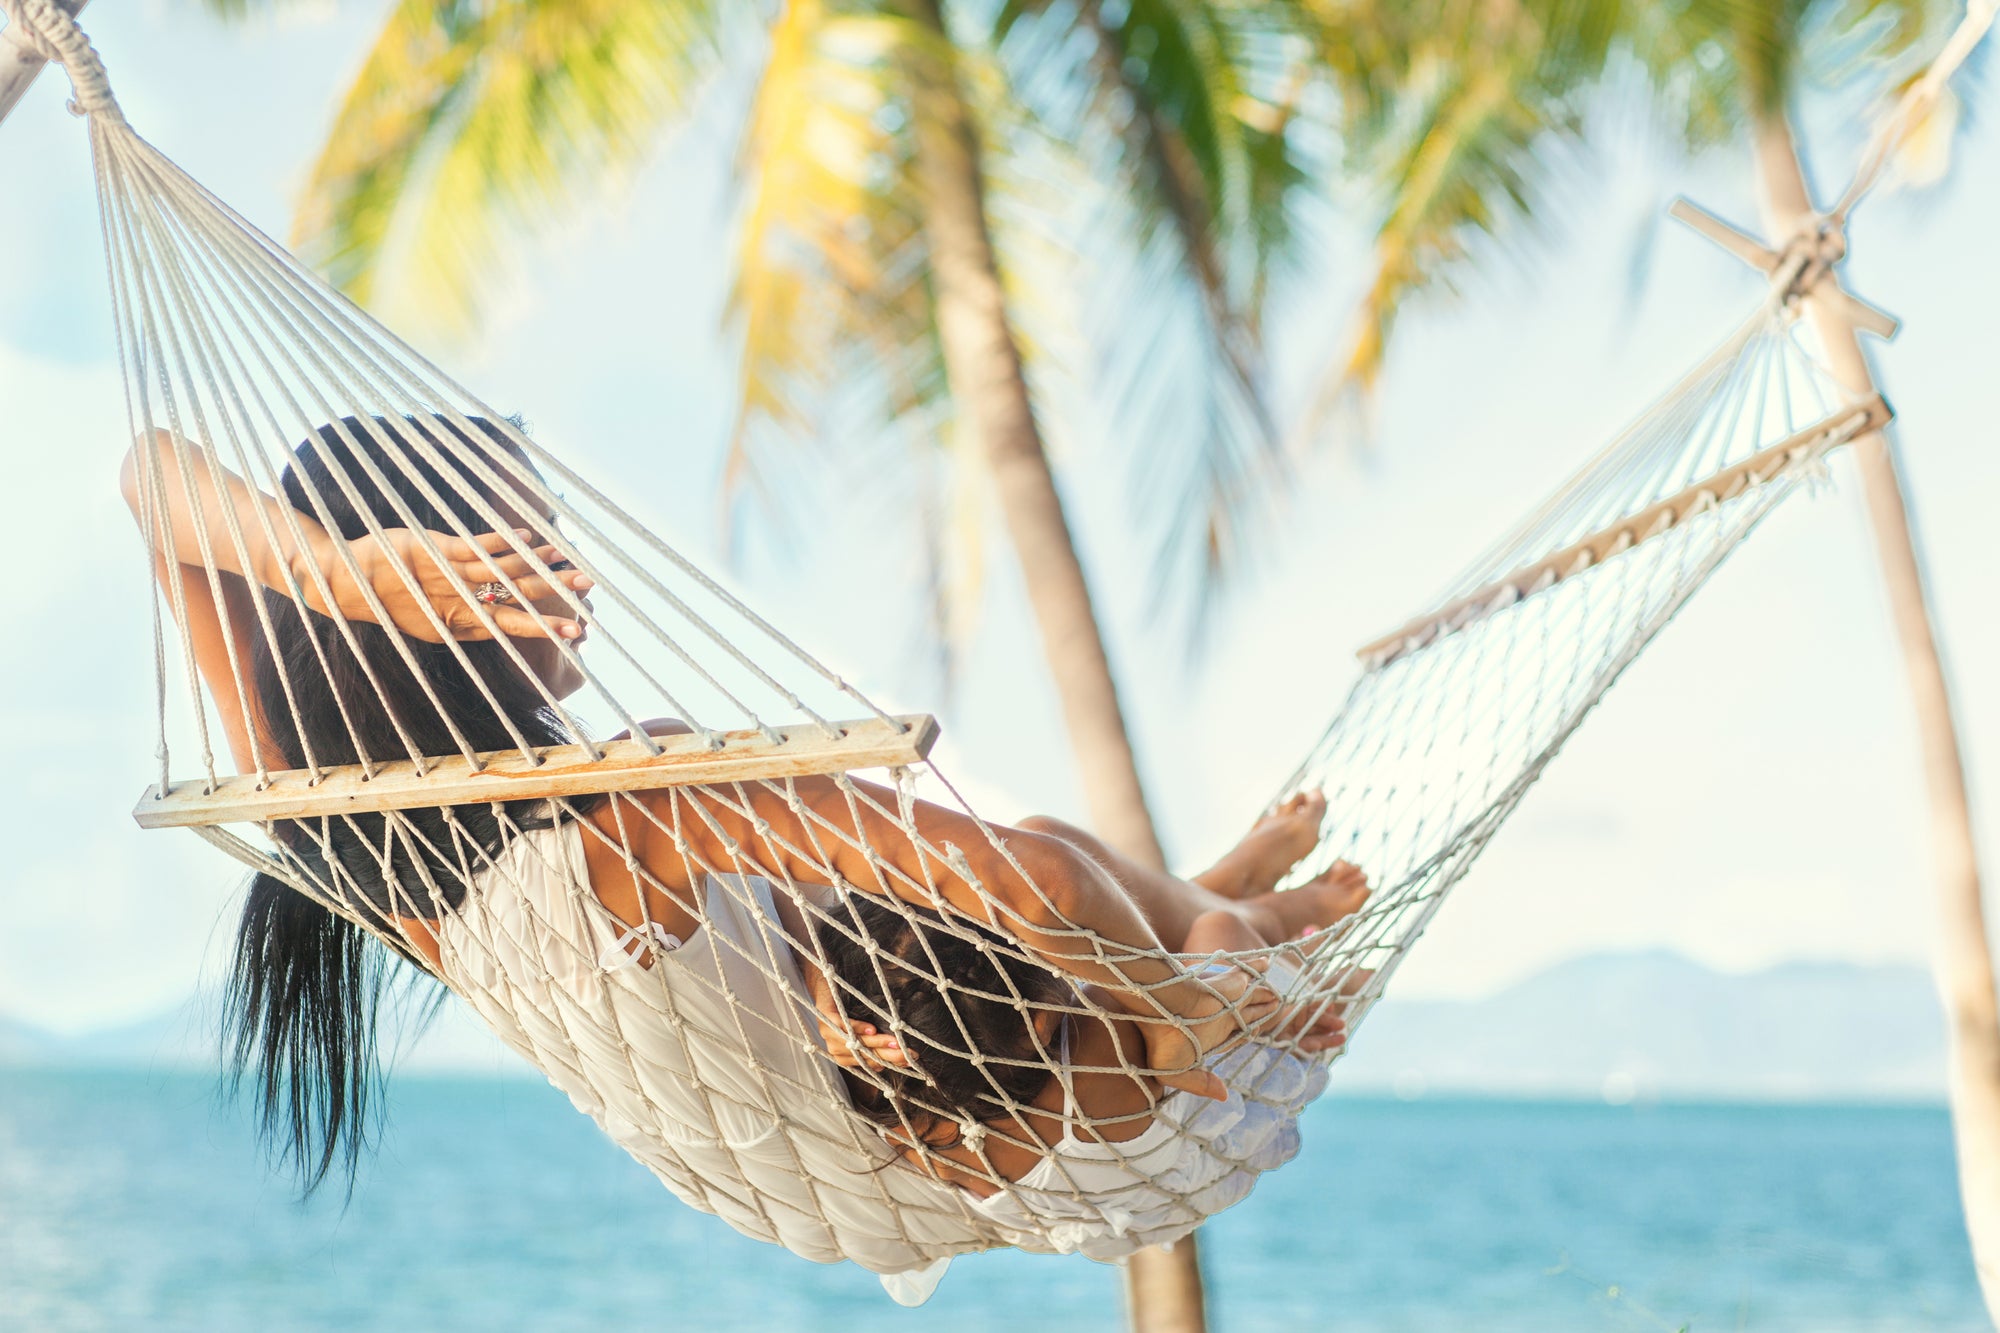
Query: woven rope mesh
{"x": 650, "y": 944}
{"x": 1448, "y": 727}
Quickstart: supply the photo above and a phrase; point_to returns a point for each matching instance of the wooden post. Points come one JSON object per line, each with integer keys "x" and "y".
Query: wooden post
{"x": 1964, "y": 968}
{"x": 1163, "y": 1291}
{"x": 19, "y": 66}
{"x": 990, "y": 390}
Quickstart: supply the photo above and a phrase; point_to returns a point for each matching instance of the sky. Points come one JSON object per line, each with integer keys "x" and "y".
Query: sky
{"x": 1749, "y": 793}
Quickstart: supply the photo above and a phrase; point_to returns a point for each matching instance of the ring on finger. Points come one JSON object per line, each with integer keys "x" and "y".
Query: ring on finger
{"x": 494, "y": 594}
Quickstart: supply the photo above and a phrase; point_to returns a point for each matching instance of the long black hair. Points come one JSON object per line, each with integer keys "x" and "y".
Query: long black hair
{"x": 885, "y": 965}
{"x": 306, "y": 985}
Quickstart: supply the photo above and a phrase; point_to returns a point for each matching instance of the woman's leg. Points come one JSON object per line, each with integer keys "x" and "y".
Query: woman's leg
{"x": 1269, "y": 850}
{"x": 1250, "y": 869}
{"x": 1273, "y": 918}
{"x": 1169, "y": 905}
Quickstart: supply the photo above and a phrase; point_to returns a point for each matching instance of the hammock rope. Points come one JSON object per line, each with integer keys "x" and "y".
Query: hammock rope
{"x": 712, "y": 1072}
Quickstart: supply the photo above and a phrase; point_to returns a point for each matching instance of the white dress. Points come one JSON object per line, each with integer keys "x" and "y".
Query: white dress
{"x": 708, "y": 1068}
{"x": 1196, "y": 1158}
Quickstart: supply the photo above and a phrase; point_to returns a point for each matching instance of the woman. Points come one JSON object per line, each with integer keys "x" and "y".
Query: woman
{"x": 1041, "y": 1111}
{"x": 377, "y": 632}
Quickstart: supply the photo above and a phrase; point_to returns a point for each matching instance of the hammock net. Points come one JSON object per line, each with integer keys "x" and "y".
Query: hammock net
{"x": 789, "y": 793}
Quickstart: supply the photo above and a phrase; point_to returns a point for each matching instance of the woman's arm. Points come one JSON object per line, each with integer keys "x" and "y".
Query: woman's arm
{"x": 211, "y": 518}
{"x": 217, "y": 613}
{"x": 215, "y": 537}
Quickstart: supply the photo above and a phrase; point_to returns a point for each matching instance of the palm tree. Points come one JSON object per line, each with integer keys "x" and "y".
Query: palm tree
{"x": 895, "y": 151}
{"x": 1450, "y": 106}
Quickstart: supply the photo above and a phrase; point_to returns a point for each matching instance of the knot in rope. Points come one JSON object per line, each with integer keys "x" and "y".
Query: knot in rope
{"x": 1819, "y": 243}
{"x": 51, "y": 32}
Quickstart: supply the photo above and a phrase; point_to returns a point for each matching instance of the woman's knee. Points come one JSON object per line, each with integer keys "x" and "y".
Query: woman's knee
{"x": 1049, "y": 826}
{"x": 1221, "y": 931}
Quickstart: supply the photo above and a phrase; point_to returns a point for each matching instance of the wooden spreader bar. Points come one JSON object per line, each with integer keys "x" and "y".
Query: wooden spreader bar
{"x": 563, "y": 770}
{"x": 1850, "y": 423}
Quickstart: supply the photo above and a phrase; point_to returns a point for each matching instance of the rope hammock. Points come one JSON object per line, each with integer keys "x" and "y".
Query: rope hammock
{"x": 702, "y": 1056}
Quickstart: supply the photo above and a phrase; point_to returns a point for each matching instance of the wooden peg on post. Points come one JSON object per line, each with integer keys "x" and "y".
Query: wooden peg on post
{"x": 1798, "y": 268}
{"x": 1731, "y": 238}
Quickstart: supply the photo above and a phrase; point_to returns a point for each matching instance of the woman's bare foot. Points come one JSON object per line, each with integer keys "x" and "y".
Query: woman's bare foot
{"x": 1328, "y": 899}
{"x": 1272, "y": 847}
{"x": 1274, "y": 918}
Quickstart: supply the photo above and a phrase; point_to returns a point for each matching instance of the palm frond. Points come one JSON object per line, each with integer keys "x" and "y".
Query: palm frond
{"x": 832, "y": 297}
{"x": 1464, "y": 165}
{"x": 1449, "y": 107}
{"x": 470, "y": 124}
{"x": 412, "y": 78}
{"x": 235, "y": 11}
{"x": 830, "y": 286}
{"x": 1186, "y": 109}
{"x": 1187, "y": 159}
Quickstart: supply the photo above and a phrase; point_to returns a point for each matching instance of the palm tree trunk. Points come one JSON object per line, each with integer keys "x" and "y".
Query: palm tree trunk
{"x": 990, "y": 391}
{"x": 1964, "y": 961}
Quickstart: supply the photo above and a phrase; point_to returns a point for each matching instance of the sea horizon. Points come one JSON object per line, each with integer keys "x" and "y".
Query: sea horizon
{"x": 141, "y": 1200}
{"x": 1644, "y": 1026}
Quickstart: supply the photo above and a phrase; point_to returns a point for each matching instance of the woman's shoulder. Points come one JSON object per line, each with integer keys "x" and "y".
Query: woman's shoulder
{"x": 609, "y": 858}
{"x": 1114, "y": 1100}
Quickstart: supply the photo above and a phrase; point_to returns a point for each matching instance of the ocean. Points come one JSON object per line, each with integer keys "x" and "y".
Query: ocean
{"x": 137, "y": 1202}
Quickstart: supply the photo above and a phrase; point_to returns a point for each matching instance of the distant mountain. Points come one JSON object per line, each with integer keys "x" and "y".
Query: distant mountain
{"x": 1657, "y": 1024}
{"x": 1622, "y": 1026}
{"x": 187, "y": 1037}
{"x": 21, "y": 1044}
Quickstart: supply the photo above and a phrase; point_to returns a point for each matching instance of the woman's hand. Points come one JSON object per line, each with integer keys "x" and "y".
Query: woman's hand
{"x": 876, "y": 1048}
{"x": 1221, "y": 1007}
{"x": 1234, "y": 1005}
{"x": 389, "y": 565}
{"x": 273, "y": 544}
